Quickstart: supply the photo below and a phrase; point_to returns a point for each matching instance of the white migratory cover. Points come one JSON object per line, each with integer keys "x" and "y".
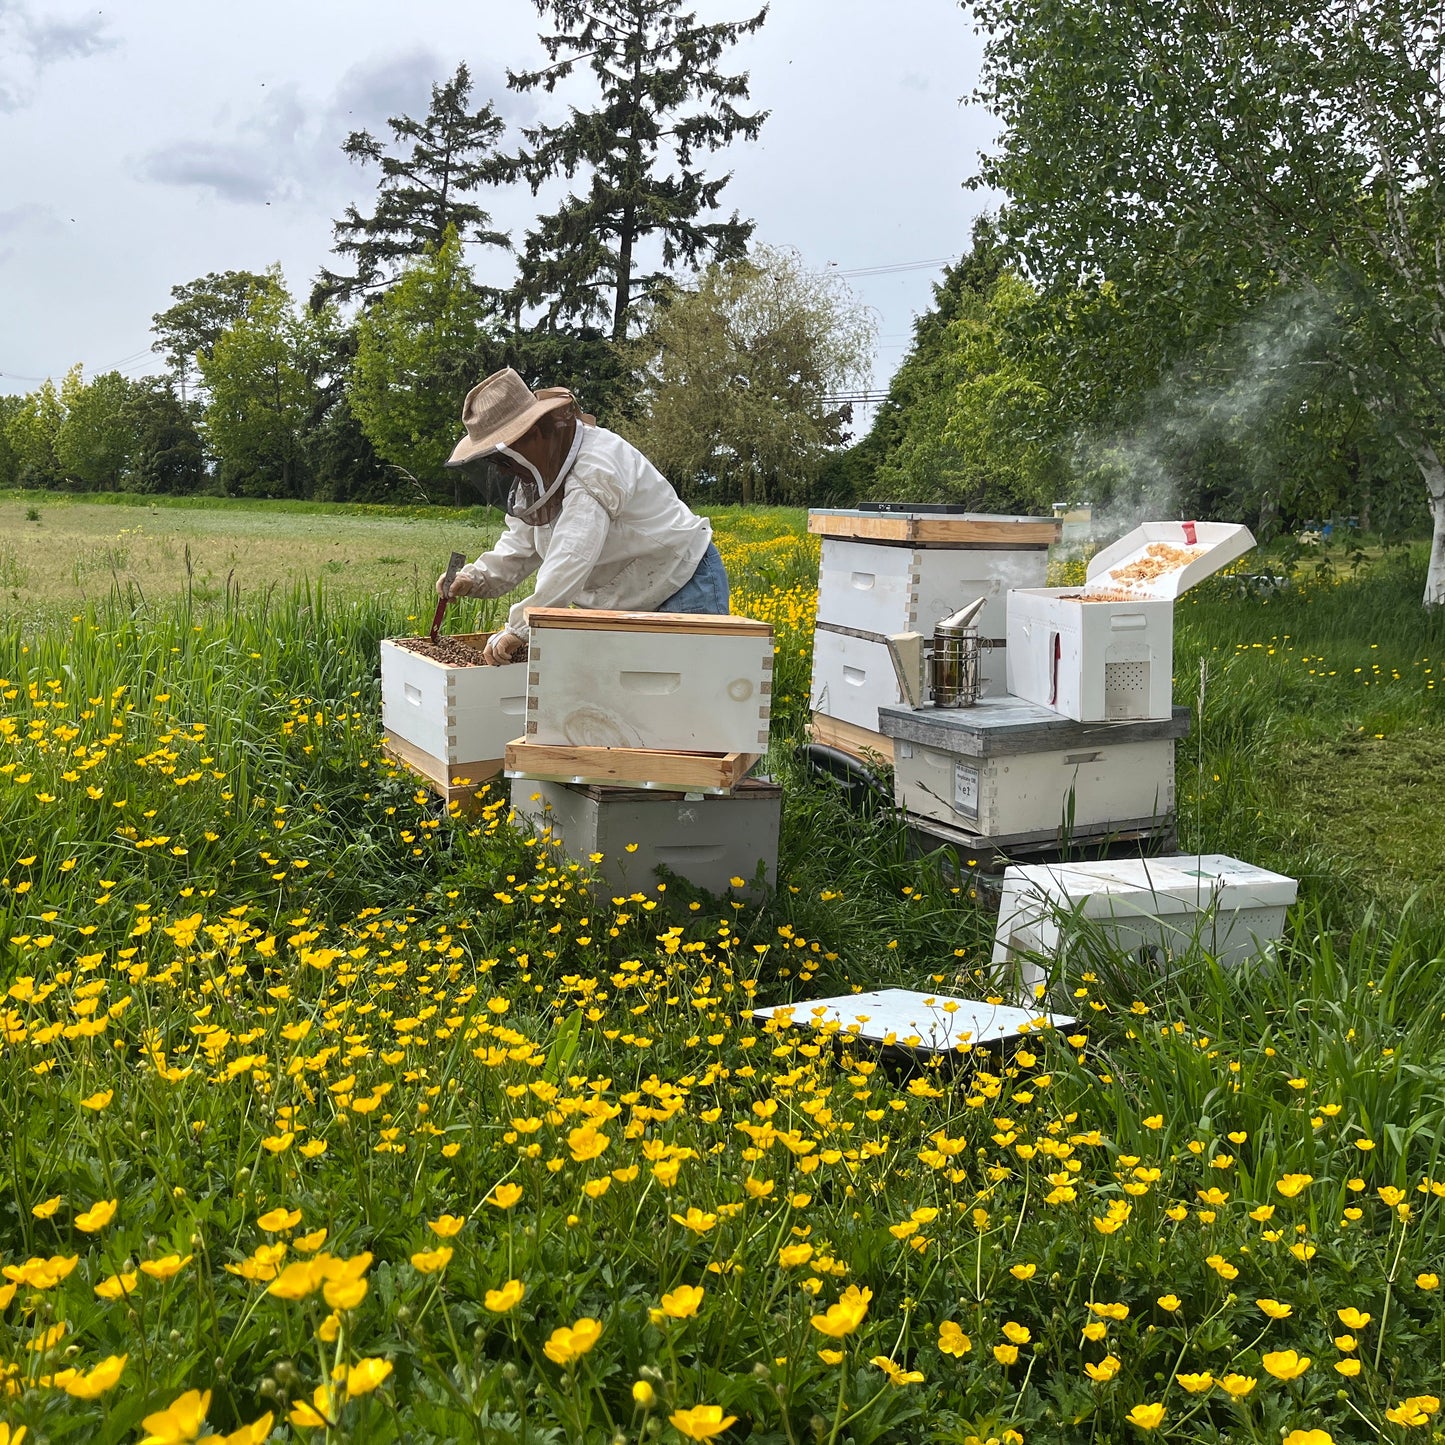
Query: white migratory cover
{"x": 916, "y": 1020}
{"x": 455, "y": 714}
{"x": 1157, "y": 887}
{"x": 1183, "y": 552}
{"x": 707, "y": 690}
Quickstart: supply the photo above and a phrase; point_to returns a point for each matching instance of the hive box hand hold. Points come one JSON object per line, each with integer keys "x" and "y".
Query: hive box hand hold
{"x": 668, "y": 681}
{"x": 1104, "y": 652}
{"x": 1150, "y": 910}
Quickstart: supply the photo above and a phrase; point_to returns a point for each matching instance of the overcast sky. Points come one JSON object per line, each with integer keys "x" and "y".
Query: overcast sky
{"x": 148, "y": 142}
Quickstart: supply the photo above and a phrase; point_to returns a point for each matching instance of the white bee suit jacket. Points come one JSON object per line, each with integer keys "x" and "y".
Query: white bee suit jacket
{"x": 623, "y": 539}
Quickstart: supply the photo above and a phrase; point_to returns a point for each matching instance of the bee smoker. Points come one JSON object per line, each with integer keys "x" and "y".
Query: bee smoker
{"x": 945, "y": 672}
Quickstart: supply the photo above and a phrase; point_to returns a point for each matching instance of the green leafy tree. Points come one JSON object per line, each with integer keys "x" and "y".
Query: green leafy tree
{"x": 265, "y": 374}
{"x": 738, "y": 376}
{"x": 1199, "y": 157}
{"x": 167, "y": 455}
{"x": 202, "y": 310}
{"x": 97, "y": 439}
{"x": 662, "y": 103}
{"x": 9, "y": 462}
{"x": 420, "y": 347}
{"x": 30, "y": 434}
{"x": 426, "y": 189}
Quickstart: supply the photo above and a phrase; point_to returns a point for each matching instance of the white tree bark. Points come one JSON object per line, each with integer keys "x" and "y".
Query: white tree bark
{"x": 1433, "y": 470}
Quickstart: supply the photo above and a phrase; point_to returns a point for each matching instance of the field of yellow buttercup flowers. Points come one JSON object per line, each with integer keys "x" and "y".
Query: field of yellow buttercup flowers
{"x": 329, "y": 1115}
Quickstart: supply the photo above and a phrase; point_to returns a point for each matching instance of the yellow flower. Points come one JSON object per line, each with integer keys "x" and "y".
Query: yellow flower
{"x": 299, "y": 1279}
{"x": 310, "y": 1243}
{"x": 1407, "y": 1412}
{"x": 1348, "y": 1368}
{"x": 429, "y": 1261}
{"x": 952, "y": 1340}
{"x": 96, "y": 1217}
{"x": 46, "y": 1208}
{"x": 1110, "y": 1311}
{"x": 168, "y": 1266}
{"x": 98, "y": 1100}
{"x": 256, "y": 1433}
{"x": 504, "y": 1196}
{"x": 831, "y": 1357}
{"x": 1285, "y": 1364}
{"x": 1170, "y": 1302}
{"x": 643, "y": 1395}
{"x": 1274, "y": 1309}
{"x": 343, "y": 1294}
{"x": 1308, "y": 1437}
{"x": 1346, "y": 1343}
{"x": 1353, "y": 1319}
{"x": 1303, "y": 1252}
{"x": 12, "y": 1437}
{"x": 499, "y": 1301}
{"x": 1196, "y": 1384}
{"x": 180, "y": 1421}
{"x": 683, "y": 1302}
{"x": 1095, "y": 1330}
{"x": 365, "y": 1375}
{"x": 1238, "y": 1385}
{"x": 446, "y": 1225}
{"x": 568, "y": 1344}
{"x": 844, "y": 1317}
{"x": 313, "y": 1414}
{"x": 701, "y": 1422}
{"x": 1006, "y": 1354}
{"x": 586, "y": 1143}
{"x": 1263, "y": 1214}
{"x": 279, "y": 1219}
{"x": 792, "y": 1255}
{"x": 1146, "y": 1417}
{"x": 92, "y": 1385}
{"x": 1023, "y": 1271}
{"x": 1427, "y": 1281}
{"x": 117, "y": 1286}
{"x": 1293, "y": 1184}
{"x": 896, "y": 1374}
{"x": 697, "y": 1220}
{"x": 1104, "y": 1371}
{"x": 1016, "y": 1334}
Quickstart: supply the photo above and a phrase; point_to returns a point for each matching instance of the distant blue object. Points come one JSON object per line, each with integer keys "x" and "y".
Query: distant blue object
{"x": 1327, "y": 531}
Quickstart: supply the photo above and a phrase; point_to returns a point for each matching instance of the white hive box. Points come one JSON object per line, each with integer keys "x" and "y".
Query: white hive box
{"x": 1015, "y": 773}
{"x": 927, "y": 1022}
{"x": 902, "y": 571}
{"x": 449, "y": 722}
{"x": 1113, "y": 661}
{"x": 707, "y": 840}
{"x": 668, "y": 681}
{"x": 1160, "y": 908}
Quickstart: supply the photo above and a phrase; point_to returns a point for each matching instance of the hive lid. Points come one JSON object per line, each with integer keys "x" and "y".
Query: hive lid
{"x": 1156, "y": 886}
{"x": 901, "y": 1016}
{"x": 1183, "y": 552}
{"x": 596, "y": 619}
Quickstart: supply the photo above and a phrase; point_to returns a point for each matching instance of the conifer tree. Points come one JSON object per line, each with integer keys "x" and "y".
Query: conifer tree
{"x": 422, "y": 191}
{"x": 663, "y": 101}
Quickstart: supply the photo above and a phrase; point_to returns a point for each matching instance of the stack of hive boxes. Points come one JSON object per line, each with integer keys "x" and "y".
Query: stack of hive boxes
{"x": 885, "y": 572}
{"x": 641, "y": 732}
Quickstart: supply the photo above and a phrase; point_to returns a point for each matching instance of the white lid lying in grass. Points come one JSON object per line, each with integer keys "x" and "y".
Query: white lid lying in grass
{"x": 930, "y": 1021}
{"x": 1153, "y": 886}
{"x": 1188, "y": 552}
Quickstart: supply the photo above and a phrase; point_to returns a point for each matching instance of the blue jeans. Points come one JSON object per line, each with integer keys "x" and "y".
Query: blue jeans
{"x": 705, "y": 591}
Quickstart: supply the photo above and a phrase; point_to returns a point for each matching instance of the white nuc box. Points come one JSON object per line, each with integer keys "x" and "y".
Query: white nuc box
{"x": 1104, "y": 652}
{"x": 1158, "y": 912}
{"x": 888, "y": 572}
{"x": 706, "y": 840}
{"x": 659, "y": 680}
{"x": 1013, "y": 773}
{"x": 449, "y": 722}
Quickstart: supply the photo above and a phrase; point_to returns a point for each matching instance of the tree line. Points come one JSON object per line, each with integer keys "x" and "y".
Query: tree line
{"x": 354, "y": 391}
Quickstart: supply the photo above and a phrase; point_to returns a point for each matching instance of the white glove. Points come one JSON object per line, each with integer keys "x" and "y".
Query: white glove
{"x": 504, "y": 647}
{"x": 468, "y": 582}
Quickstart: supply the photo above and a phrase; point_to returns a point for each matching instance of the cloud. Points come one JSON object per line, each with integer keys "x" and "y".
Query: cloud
{"x": 24, "y": 223}
{"x": 288, "y": 148}
{"x": 29, "y": 45}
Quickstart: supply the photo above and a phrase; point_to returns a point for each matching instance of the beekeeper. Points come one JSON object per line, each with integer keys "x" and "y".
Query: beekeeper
{"x": 587, "y": 512}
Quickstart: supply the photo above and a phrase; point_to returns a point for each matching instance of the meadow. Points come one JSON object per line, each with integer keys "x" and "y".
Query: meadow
{"x": 329, "y": 1116}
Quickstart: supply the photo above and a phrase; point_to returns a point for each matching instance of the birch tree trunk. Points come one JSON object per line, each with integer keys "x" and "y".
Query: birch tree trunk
{"x": 1433, "y": 470}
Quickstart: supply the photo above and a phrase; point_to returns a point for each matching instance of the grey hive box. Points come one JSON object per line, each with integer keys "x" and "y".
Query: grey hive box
{"x": 707, "y": 840}
{"x": 1009, "y": 772}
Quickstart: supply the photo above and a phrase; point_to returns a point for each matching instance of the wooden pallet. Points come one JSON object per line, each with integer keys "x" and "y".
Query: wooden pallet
{"x": 458, "y": 783}
{"x": 629, "y": 767}
{"x": 860, "y": 743}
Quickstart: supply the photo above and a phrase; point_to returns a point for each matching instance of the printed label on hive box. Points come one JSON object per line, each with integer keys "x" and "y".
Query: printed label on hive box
{"x": 965, "y": 789}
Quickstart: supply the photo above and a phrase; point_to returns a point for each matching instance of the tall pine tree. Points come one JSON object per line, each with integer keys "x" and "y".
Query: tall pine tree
{"x": 422, "y": 191}
{"x": 662, "y": 102}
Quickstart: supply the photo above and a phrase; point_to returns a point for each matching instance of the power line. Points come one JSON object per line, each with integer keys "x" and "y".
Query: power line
{"x": 895, "y": 267}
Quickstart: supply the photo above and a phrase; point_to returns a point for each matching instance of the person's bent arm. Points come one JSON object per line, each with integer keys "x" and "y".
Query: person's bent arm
{"x": 496, "y": 572}
{"x": 577, "y": 541}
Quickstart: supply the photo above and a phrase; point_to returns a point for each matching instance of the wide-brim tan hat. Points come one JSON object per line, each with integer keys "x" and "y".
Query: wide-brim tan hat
{"x": 501, "y": 410}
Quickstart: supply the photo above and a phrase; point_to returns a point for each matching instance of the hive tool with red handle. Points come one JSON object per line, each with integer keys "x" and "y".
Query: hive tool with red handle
{"x": 455, "y": 565}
